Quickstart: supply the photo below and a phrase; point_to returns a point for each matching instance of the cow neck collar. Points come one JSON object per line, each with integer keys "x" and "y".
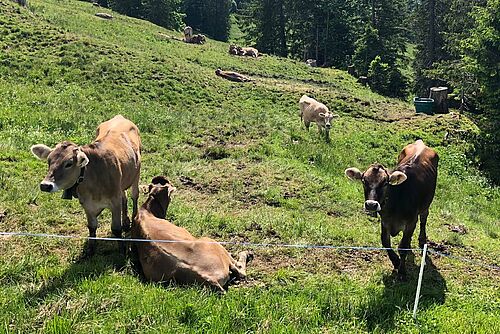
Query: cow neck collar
{"x": 71, "y": 192}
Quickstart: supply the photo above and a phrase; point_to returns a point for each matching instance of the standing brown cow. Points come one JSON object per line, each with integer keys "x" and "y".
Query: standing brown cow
{"x": 97, "y": 174}
{"x": 401, "y": 196}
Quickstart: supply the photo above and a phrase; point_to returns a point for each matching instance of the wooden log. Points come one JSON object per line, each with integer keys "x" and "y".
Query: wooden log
{"x": 440, "y": 97}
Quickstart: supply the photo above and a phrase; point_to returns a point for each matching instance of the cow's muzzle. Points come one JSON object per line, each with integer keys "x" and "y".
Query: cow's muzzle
{"x": 373, "y": 206}
{"x": 49, "y": 187}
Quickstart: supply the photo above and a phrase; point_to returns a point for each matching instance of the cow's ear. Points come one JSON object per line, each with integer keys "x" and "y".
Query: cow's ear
{"x": 41, "y": 151}
{"x": 397, "y": 177}
{"x": 171, "y": 190}
{"x": 81, "y": 159}
{"x": 353, "y": 173}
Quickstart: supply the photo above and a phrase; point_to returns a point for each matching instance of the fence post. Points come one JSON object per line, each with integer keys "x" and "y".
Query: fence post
{"x": 419, "y": 285}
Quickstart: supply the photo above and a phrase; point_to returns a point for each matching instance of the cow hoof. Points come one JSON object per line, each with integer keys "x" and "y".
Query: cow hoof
{"x": 88, "y": 253}
{"x": 247, "y": 255}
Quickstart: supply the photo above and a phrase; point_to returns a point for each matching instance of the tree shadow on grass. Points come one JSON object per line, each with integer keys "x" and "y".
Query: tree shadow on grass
{"x": 106, "y": 259}
{"x": 381, "y": 309}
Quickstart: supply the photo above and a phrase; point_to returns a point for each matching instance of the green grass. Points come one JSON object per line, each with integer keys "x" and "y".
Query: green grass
{"x": 256, "y": 174}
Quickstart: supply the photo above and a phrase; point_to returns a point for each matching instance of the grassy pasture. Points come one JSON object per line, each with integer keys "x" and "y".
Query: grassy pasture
{"x": 245, "y": 170}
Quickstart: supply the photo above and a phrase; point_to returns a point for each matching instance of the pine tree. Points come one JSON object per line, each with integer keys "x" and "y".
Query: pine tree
{"x": 209, "y": 16}
{"x": 127, "y": 7}
{"x": 165, "y": 13}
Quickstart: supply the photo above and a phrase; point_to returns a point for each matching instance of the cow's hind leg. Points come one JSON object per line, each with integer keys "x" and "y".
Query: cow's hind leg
{"x": 239, "y": 268}
{"x": 386, "y": 243}
{"x": 422, "y": 236}
{"x": 134, "y": 193}
{"x": 125, "y": 218}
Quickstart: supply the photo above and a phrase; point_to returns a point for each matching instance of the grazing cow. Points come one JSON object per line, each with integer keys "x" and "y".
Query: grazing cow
{"x": 400, "y": 196}
{"x": 314, "y": 111}
{"x": 97, "y": 174}
{"x": 188, "y": 34}
{"x": 190, "y": 260}
{"x": 249, "y": 52}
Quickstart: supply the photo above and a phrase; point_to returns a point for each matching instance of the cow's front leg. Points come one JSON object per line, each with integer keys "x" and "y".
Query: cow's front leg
{"x": 404, "y": 247}
{"x": 386, "y": 243}
{"x": 327, "y": 135}
{"x": 116, "y": 223}
{"x": 320, "y": 128}
{"x": 92, "y": 226}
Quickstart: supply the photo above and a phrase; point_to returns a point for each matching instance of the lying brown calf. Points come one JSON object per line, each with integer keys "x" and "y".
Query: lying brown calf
{"x": 190, "y": 260}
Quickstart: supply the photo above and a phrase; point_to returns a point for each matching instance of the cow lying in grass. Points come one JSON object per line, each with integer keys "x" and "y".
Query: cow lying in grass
{"x": 400, "y": 196}
{"x": 194, "y": 39}
{"x": 241, "y": 51}
{"x": 232, "y": 76}
{"x": 190, "y": 260}
{"x": 314, "y": 111}
{"x": 97, "y": 174}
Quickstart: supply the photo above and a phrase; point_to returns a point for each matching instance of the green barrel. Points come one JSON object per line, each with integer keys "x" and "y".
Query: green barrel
{"x": 423, "y": 104}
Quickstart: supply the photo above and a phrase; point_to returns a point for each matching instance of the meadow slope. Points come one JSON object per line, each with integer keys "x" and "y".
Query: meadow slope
{"x": 245, "y": 169}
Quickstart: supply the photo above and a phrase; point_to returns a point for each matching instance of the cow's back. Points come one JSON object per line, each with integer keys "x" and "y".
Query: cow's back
{"x": 420, "y": 164}
{"x": 310, "y": 108}
{"x": 119, "y": 143}
{"x": 116, "y": 128}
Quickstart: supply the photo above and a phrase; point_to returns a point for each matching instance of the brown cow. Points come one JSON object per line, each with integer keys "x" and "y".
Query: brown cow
{"x": 233, "y": 50}
{"x": 249, "y": 52}
{"x": 97, "y": 174}
{"x": 401, "y": 196}
{"x": 189, "y": 260}
{"x": 198, "y": 39}
{"x": 232, "y": 76}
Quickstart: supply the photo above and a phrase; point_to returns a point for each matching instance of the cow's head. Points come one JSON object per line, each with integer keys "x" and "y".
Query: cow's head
{"x": 160, "y": 194}
{"x": 65, "y": 163}
{"x": 327, "y": 116}
{"x": 376, "y": 180}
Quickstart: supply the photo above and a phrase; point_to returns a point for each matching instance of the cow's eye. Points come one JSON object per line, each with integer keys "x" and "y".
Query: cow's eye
{"x": 68, "y": 164}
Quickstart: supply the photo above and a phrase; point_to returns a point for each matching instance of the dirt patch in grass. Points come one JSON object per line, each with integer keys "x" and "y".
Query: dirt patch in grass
{"x": 188, "y": 182}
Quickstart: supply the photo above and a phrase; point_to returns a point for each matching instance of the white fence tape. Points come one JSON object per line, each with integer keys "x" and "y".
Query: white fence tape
{"x": 247, "y": 244}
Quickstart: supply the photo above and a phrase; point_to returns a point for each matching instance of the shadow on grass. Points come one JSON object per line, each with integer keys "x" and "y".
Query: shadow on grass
{"x": 381, "y": 310}
{"x": 106, "y": 259}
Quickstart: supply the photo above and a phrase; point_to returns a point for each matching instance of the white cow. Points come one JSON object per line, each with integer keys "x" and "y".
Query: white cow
{"x": 314, "y": 111}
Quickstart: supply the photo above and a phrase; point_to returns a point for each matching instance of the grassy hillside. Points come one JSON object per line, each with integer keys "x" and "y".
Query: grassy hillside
{"x": 245, "y": 170}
